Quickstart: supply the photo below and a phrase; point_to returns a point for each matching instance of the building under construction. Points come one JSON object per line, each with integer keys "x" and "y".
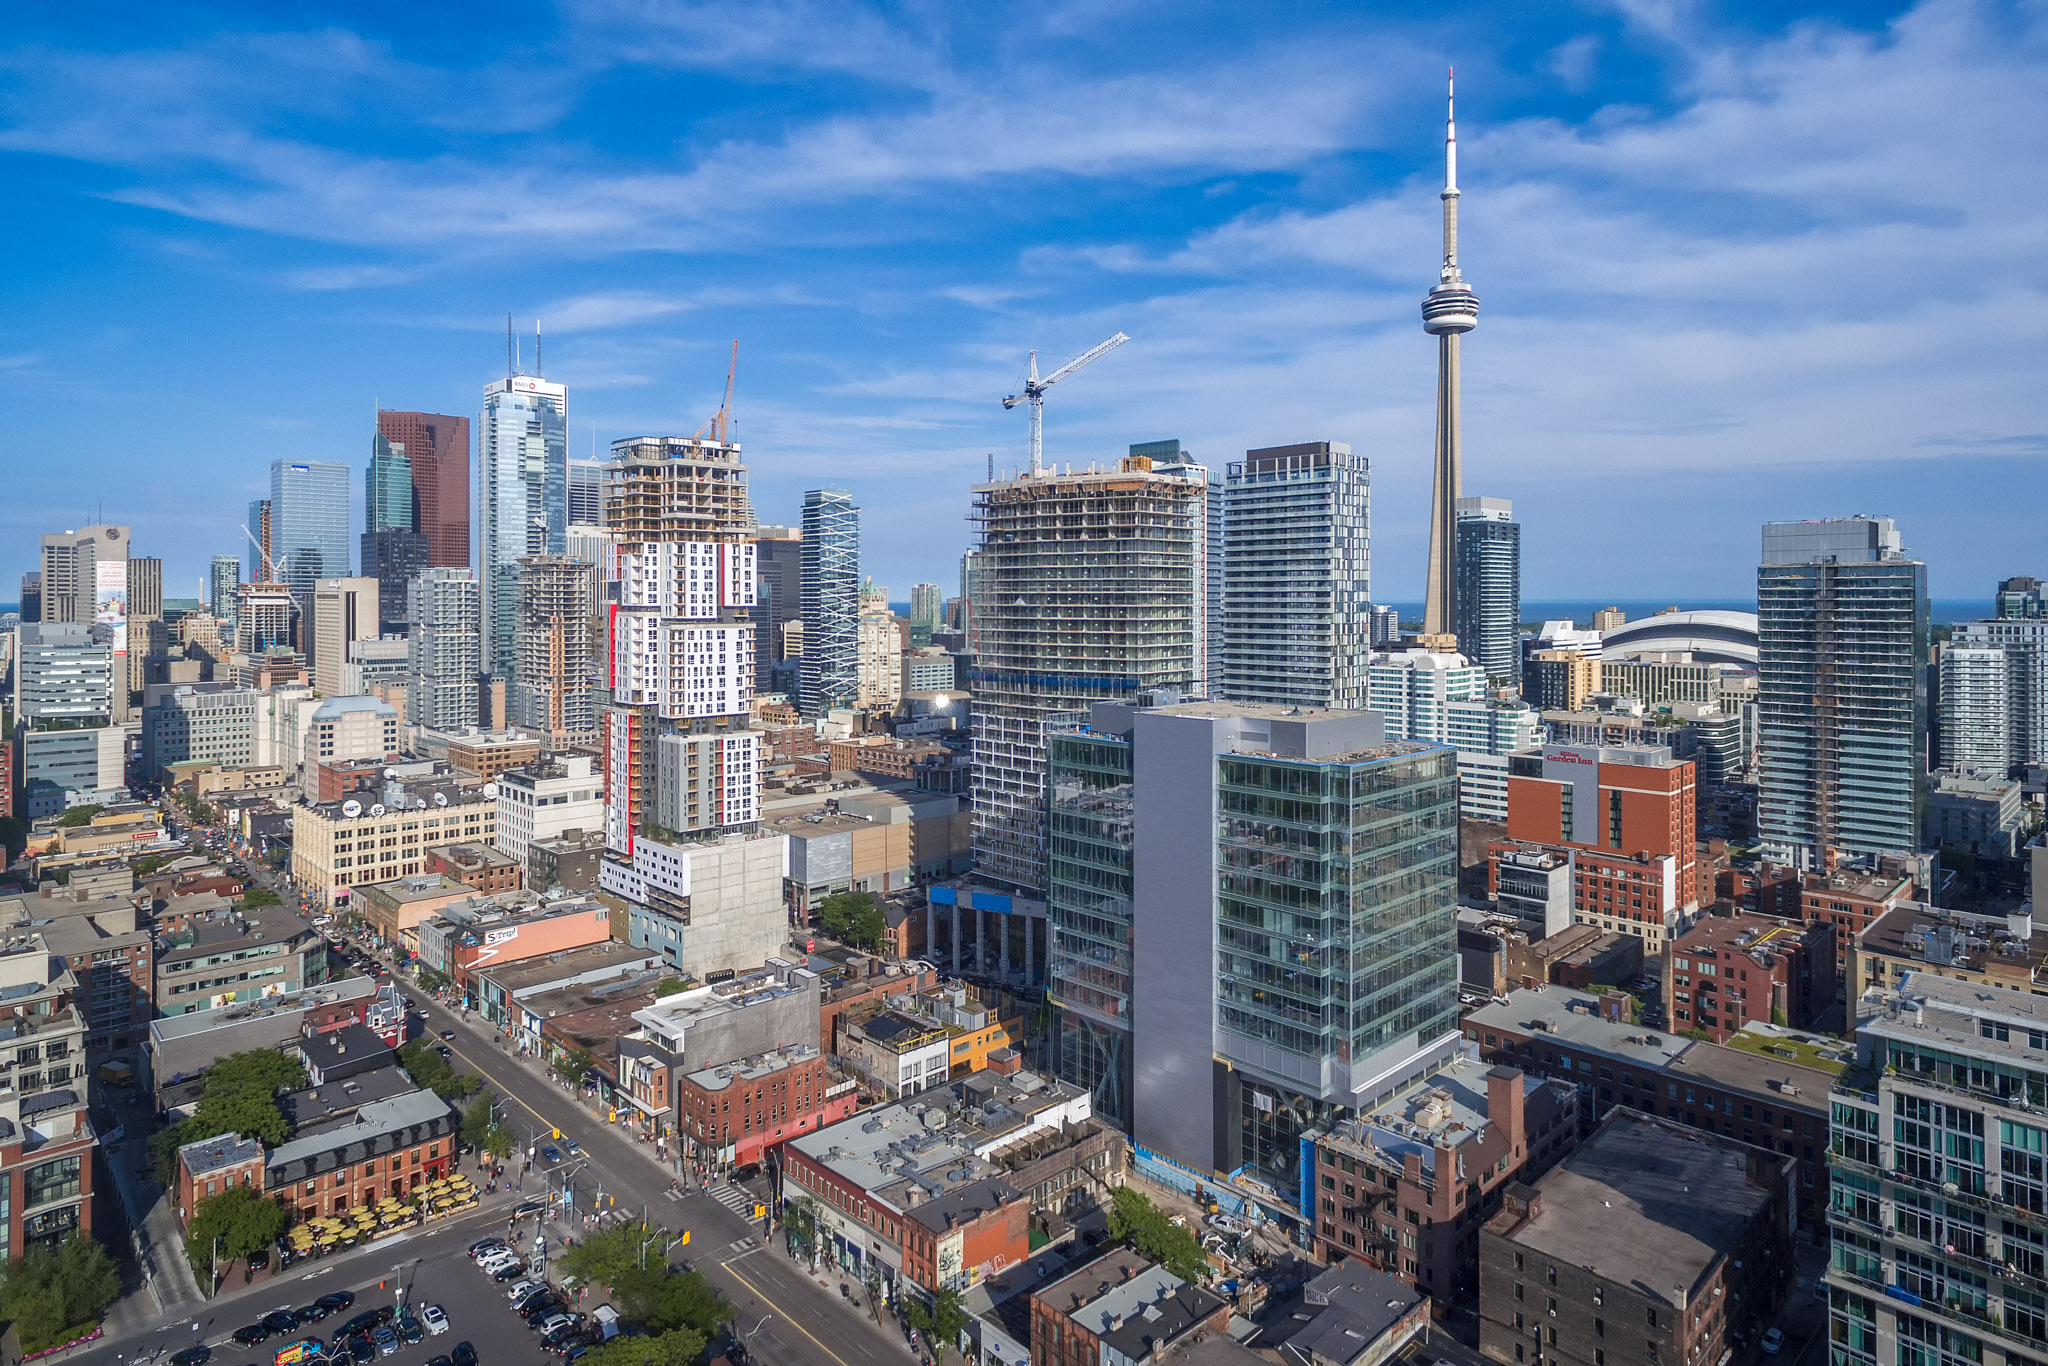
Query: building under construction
{"x": 681, "y": 664}
{"x": 556, "y": 691}
{"x": 1086, "y": 592}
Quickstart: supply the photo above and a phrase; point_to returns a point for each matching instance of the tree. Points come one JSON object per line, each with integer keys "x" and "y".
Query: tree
{"x": 941, "y": 1321}
{"x": 666, "y": 1300}
{"x": 800, "y": 1224}
{"x": 238, "y": 1096}
{"x": 78, "y": 815}
{"x": 571, "y": 1066}
{"x": 425, "y": 1065}
{"x": 50, "y": 1291}
{"x": 243, "y": 1220}
{"x": 258, "y": 896}
{"x": 854, "y": 918}
{"x": 679, "y": 1347}
{"x": 433, "y": 979}
{"x": 668, "y": 986}
{"x": 611, "y": 1256}
{"x": 1135, "y": 1220}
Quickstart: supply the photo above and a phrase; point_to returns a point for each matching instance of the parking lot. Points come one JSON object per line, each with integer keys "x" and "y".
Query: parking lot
{"x": 422, "y": 1273}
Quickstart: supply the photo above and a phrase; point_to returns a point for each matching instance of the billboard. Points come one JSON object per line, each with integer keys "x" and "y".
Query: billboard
{"x": 110, "y": 602}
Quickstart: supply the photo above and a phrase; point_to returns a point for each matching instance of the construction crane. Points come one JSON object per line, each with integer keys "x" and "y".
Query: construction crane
{"x": 1034, "y": 393}
{"x": 721, "y": 423}
{"x": 270, "y": 566}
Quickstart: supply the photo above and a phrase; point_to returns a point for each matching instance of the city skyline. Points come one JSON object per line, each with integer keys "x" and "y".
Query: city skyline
{"x": 1651, "y": 317}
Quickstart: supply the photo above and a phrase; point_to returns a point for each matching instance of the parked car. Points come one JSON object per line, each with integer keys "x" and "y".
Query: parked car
{"x": 250, "y": 1336}
{"x": 311, "y": 1313}
{"x": 511, "y": 1272}
{"x": 523, "y": 1289}
{"x": 545, "y": 1310}
{"x": 196, "y": 1355}
{"x": 554, "y": 1323}
{"x": 386, "y": 1340}
{"x": 464, "y": 1354}
{"x": 1773, "y": 1341}
{"x": 532, "y": 1300}
{"x": 280, "y": 1321}
{"x": 483, "y": 1245}
{"x": 409, "y": 1330}
{"x": 435, "y": 1320}
{"x": 361, "y": 1350}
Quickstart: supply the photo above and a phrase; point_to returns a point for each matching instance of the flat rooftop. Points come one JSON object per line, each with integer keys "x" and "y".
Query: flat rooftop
{"x": 312, "y": 1106}
{"x": 342, "y": 989}
{"x": 528, "y": 973}
{"x": 1956, "y": 940}
{"x": 1941, "y": 1012}
{"x": 752, "y": 1069}
{"x": 221, "y": 931}
{"x": 1644, "y": 1203}
{"x": 1449, "y": 1106}
{"x": 1572, "y": 1017}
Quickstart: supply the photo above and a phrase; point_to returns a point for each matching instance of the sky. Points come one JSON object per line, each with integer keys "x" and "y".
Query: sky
{"x": 1734, "y": 264}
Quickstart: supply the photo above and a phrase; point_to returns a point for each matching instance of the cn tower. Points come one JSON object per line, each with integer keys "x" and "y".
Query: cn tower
{"x": 1448, "y": 312}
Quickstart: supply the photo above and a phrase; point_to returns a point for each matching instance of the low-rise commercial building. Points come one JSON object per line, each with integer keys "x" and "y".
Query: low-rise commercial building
{"x": 393, "y": 911}
{"x": 501, "y": 992}
{"x": 738, "y": 1111}
{"x": 1598, "y": 1256}
{"x": 482, "y": 868}
{"x": 938, "y": 1190}
{"x": 898, "y": 1054}
{"x": 229, "y": 956}
{"x": 109, "y": 952}
{"x": 485, "y": 755}
{"x": 687, "y": 1031}
{"x": 183, "y": 1046}
{"x": 570, "y": 861}
{"x": 1407, "y": 1187}
{"x": 873, "y": 842}
{"x": 469, "y": 936}
{"x": 1730, "y": 971}
{"x": 1120, "y": 1307}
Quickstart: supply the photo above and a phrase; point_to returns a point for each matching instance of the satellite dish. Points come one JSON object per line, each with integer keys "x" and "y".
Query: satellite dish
{"x": 351, "y": 808}
{"x": 377, "y": 809}
{"x": 391, "y": 773}
{"x": 490, "y": 791}
{"x": 419, "y": 804}
{"x": 440, "y": 799}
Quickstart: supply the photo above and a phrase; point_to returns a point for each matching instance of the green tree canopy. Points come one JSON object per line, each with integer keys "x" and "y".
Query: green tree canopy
{"x": 941, "y": 1322}
{"x": 854, "y": 918}
{"x": 258, "y": 896}
{"x": 243, "y": 1220}
{"x": 238, "y": 1096}
{"x": 432, "y": 979}
{"x": 78, "y": 815}
{"x": 678, "y": 1347}
{"x": 571, "y": 1066}
{"x": 423, "y": 1062}
{"x": 1135, "y": 1220}
{"x": 668, "y": 986}
{"x": 47, "y": 1291}
{"x": 609, "y": 1256}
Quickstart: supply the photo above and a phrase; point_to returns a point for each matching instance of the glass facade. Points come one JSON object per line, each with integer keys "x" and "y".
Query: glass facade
{"x": 524, "y": 501}
{"x": 1297, "y": 581}
{"x": 1337, "y": 906}
{"x": 387, "y": 488}
{"x": 309, "y": 519}
{"x": 1088, "y": 908}
{"x": 1490, "y": 588}
{"x": 1842, "y": 706}
{"x": 829, "y": 590}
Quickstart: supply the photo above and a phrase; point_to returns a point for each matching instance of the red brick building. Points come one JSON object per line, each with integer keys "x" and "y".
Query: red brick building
{"x": 1119, "y": 1300}
{"x": 751, "y": 1106}
{"x": 1429, "y": 1165}
{"x": 1849, "y": 899}
{"x": 1729, "y": 971}
{"x": 479, "y": 866}
{"x": 971, "y": 1231}
{"x": 1628, "y": 817}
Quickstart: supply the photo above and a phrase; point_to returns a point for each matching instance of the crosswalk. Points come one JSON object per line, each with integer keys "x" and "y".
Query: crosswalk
{"x": 734, "y": 1198}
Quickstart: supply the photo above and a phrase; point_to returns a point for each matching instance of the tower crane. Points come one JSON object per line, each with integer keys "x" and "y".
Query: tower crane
{"x": 721, "y": 422}
{"x": 270, "y": 566}
{"x": 1034, "y": 393}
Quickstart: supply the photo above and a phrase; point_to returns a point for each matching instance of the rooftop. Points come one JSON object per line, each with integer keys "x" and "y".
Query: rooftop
{"x": 334, "y": 708}
{"x": 1351, "y": 1307}
{"x": 897, "y": 1032}
{"x": 1572, "y": 1017}
{"x": 218, "y": 931}
{"x": 1999, "y": 946}
{"x": 1791, "y": 1051}
{"x": 1448, "y": 1107}
{"x": 374, "y": 1120}
{"x": 1644, "y": 1203}
{"x": 964, "y": 1204}
{"x": 199, "y": 1021}
{"x": 527, "y": 973}
{"x": 752, "y": 1069}
{"x": 419, "y": 887}
{"x": 213, "y": 1154}
{"x": 1963, "y": 1017}
{"x": 312, "y": 1106}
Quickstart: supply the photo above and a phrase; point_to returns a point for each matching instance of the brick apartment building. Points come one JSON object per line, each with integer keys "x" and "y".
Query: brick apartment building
{"x": 481, "y": 867}
{"x": 1090, "y": 1315}
{"x": 1604, "y": 1262}
{"x": 1748, "y": 1096}
{"x": 1729, "y": 971}
{"x": 1405, "y": 1188}
{"x": 1627, "y": 816}
{"x": 1847, "y": 898}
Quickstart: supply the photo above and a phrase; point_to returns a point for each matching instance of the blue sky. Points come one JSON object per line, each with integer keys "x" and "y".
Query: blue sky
{"x": 1732, "y": 266}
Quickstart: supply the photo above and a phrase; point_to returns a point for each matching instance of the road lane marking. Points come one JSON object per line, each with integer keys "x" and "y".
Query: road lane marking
{"x": 786, "y": 1315}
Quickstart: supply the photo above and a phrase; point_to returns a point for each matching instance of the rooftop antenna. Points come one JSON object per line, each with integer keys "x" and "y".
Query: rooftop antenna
{"x": 537, "y": 370}
{"x": 511, "y": 350}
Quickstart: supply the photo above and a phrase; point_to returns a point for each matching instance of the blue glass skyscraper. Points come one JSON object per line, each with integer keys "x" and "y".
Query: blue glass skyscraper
{"x": 523, "y": 451}
{"x": 830, "y": 591}
{"x": 309, "y": 519}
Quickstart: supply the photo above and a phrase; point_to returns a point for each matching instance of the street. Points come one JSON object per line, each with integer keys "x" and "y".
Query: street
{"x": 781, "y": 1313}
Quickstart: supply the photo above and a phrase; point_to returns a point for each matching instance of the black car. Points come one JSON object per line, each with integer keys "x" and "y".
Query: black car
{"x": 464, "y": 1354}
{"x": 526, "y": 1303}
{"x": 338, "y": 1301}
{"x": 439, "y": 1361}
{"x": 361, "y": 1350}
{"x": 280, "y": 1321}
{"x": 250, "y": 1336}
{"x": 544, "y": 1311}
{"x": 409, "y": 1330}
{"x": 312, "y": 1313}
{"x": 556, "y": 1336}
{"x": 510, "y": 1273}
{"x": 196, "y": 1355}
